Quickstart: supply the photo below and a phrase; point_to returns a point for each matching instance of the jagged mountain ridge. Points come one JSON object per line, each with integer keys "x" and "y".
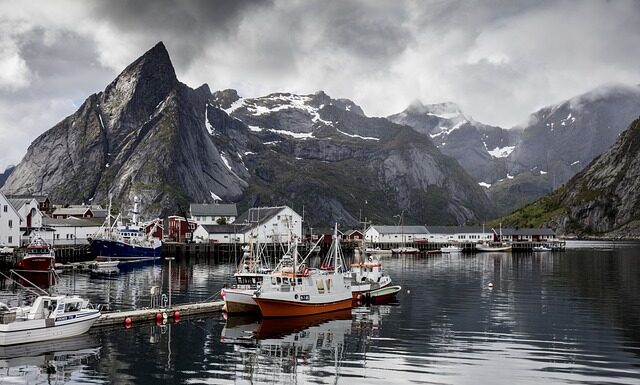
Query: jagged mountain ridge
{"x": 523, "y": 163}
{"x": 140, "y": 136}
{"x": 599, "y": 199}
{"x": 148, "y": 135}
{"x": 481, "y": 149}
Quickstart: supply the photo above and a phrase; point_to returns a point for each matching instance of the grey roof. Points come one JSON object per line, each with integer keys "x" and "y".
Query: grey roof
{"x": 99, "y": 213}
{"x": 213, "y": 209}
{"x": 92, "y": 207}
{"x": 39, "y": 198}
{"x": 401, "y": 229}
{"x": 259, "y": 214}
{"x": 70, "y": 211}
{"x": 223, "y": 229}
{"x": 458, "y": 229}
{"x": 17, "y": 203}
{"x": 70, "y": 222}
{"x": 487, "y": 229}
{"x": 541, "y": 231}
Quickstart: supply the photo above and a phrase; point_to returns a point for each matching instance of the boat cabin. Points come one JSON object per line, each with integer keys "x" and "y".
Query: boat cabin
{"x": 54, "y": 306}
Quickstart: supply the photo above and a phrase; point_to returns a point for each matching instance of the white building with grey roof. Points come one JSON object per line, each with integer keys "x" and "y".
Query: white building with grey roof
{"x": 396, "y": 234}
{"x": 211, "y": 213}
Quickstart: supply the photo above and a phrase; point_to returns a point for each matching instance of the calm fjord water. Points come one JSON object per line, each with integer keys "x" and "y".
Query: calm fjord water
{"x": 560, "y": 318}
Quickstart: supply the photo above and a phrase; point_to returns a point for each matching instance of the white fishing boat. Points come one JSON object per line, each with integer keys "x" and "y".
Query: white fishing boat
{"x": 367, "y": 276}
{"x": 542, "y": 248}
{"x": 296, "y": 290}
{"x": 497, "y": 245}
{"x": 252, "y": 270}
{"x": 48, "y": 318}
{"x": 451, "y": 249}
{"x": 377, "y": 251}
{"x": 500, "y": 246}
{"x": 405, "y": 250}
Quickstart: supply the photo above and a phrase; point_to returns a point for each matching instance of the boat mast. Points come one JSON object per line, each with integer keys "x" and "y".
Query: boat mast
{"x": 335, "y": 249}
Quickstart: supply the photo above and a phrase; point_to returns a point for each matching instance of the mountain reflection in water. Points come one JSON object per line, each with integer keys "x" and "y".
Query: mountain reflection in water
{"x": 561, "y": 318}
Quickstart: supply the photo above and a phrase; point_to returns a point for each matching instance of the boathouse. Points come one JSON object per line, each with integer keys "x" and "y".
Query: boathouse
{"x": 68, "y": 231}
{"x": 76, "y": 212}
{"x": 213, "y": 213}
{"x": 396, "y": 234}
{"x": 222, "y": 234}
{"x": 528, "y": 235}
{"x": 446, "y": 234}
{"x": 180, "y": 229}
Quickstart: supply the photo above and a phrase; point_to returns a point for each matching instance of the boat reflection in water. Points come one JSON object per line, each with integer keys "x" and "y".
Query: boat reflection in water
{"x": 278, "y": 350}
{"x": 53, "y": 361}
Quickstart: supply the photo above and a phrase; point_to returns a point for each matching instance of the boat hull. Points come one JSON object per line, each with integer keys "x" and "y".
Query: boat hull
{"x": 493, "y": 248}
{"x": 37, "y": 330}
{"x": 115, "y": 250}
{"x": 281, "y": 308}
{"x": 238, "y": 301}
{"x": 40, "y": 263}
{"x": 384, "y": 295}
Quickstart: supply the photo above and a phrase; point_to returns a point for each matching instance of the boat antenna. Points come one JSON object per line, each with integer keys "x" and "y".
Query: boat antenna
{"x": 335, "y": 249}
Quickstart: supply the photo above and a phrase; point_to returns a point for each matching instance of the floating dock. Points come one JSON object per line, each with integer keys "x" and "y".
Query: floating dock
{"x": 149, "y": 315}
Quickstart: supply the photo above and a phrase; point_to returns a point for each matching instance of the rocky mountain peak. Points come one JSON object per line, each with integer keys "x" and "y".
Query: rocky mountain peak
{"x": 225, "y": 98}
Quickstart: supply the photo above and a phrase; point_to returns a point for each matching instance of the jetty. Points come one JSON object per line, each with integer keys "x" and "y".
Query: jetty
{"x": 151, "y": 314}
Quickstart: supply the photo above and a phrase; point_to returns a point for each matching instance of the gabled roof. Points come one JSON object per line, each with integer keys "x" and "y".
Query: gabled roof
{"x": 350, "y": 232}
{"x": 222, "y": 229}
{"x": 17, "y": 203}
{"x": 38, "y": 198}
{"x": 71, "y": 211}
{"x": 400, "y": 229}
{"x": 213, "y": 209}
{"x": 259, "y": 214}
{"x": 70, "y": 222}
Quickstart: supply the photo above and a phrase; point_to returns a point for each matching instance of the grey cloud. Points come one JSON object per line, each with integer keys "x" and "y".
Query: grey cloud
{"x": 499, "y": 60}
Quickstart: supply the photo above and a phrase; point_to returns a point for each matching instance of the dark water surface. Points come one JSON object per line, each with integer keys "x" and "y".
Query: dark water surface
{"x": 557, "y": 318}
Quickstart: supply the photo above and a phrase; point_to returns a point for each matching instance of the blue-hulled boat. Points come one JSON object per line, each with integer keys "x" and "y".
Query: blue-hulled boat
{"x": 127, "y": 243}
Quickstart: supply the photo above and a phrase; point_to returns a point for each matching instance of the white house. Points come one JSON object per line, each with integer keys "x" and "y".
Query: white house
{"x": 472, "y": 234}
{"x": 68, "y": 231}
{"x": 218, "y": 234}
{"x": 396, "y": 234}
{"x": 209, "y": 214}
{"x": 270, "y": 225}
{"x": 29, "y": 211}
{"x": 10, "y": 222}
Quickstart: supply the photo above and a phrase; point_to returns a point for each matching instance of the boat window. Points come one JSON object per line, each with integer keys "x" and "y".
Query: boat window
{"x": 279, "y": 280}
{"x": 320, "y": 285}
{"x": 329, "y": 285}
{"x": 273, "y": 280}
{"x": 299, "y": 281}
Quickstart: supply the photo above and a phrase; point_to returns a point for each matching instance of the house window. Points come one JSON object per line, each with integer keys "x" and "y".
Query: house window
{"x": 57, "y": 236}
{"x": 10, "y": 222}
{"x": 5, "y": 208}
{"x": 10, "y": 240}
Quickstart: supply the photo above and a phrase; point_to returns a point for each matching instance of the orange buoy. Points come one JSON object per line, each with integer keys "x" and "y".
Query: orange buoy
{"x": 127, "y": 322}
{"x": 176, "y": 314}
{"x": 158, "y": 316}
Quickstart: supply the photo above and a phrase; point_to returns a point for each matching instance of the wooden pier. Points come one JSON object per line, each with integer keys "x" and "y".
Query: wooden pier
{"x": 149, "y": 314}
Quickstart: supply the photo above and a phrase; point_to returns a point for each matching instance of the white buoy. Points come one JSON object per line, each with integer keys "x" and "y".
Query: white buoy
{"x": 408, "y": 291}
{"x": 490, "y": 284}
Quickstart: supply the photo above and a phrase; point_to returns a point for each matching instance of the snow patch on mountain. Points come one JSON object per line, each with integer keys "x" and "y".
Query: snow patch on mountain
{"x": 501, "y": 152}
{"x": 357, "y": 136}
{"x": 297, "y": 135}
{"x": 207, "y": 124}
{"x": 484, "y": 184}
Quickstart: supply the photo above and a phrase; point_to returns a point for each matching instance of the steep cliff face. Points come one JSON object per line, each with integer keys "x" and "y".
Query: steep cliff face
{"x": 603, "y": 197}
{"x": 480, "y": 149}
{"x": 327, "y": 155}
{"x": 143, "y": 135}
{"x": 148, "y": 135}
{"x": 562, "y": 139}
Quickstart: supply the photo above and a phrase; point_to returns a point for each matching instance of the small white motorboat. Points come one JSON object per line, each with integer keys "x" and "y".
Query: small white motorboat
{"x": 405, "y": 250}
{"x": 451, "y": 249}
{"x": 49, "y": 318}
{"x": 500, "y": 246}
{"x": 542, "y": 248}
{"x": 105, "y": 264}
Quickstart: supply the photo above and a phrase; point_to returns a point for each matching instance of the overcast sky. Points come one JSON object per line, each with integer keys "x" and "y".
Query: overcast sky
{"x": 499, "y": 60}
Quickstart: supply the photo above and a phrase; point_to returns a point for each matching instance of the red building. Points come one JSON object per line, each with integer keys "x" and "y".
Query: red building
{"x": 354, "y": 235}
{"x": 156, "y": 226}
{"x": 180, "y": 229}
